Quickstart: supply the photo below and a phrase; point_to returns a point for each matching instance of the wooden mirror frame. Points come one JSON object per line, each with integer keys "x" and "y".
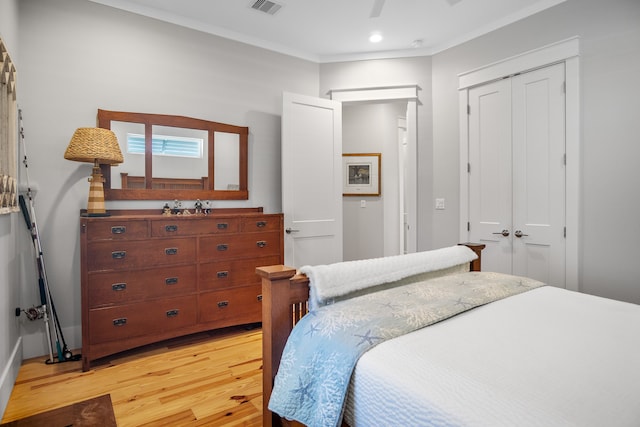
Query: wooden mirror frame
{"x": 105, "y": 118}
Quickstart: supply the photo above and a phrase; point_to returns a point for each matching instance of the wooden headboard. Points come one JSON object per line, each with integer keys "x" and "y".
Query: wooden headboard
{"x": 133, "y": 182}
{"x": 284, "y": 301}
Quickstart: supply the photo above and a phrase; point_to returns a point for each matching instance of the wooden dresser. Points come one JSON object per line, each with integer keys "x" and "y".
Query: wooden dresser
{"x": 148, "y": 277}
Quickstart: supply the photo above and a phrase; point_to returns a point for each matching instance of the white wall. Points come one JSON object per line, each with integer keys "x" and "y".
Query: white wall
{"x": 10, "y": 257}
{"x": 609, "y": 65}
{"x": 78, "y": 56}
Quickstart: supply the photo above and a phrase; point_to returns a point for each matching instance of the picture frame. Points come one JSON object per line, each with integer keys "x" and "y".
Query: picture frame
{"x": 361, "y": 174}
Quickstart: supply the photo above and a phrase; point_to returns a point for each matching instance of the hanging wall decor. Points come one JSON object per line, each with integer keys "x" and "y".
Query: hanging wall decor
{"x": 8, "y": 134}
{"x": 361, "y": 174}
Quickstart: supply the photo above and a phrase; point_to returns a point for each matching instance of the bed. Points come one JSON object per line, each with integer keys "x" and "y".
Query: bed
{"x": 528, "y": 355}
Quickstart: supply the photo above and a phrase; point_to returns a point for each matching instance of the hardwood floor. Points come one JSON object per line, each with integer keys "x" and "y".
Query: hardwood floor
{"x": 207, "y": 379}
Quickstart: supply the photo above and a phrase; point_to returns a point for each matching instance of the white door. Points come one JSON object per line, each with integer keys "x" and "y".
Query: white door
{"x": 539, "y": 175}
{"x": 517, "y": 174}
{"x": 490, "y": 173}
{"x": 311, "y": 180}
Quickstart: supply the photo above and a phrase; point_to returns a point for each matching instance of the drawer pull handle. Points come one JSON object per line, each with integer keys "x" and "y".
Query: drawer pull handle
{"x": 223, "y": 274}
{"x": 260, "y": 298}
{"x": 222, "y": 226}
{"x": 171, "y": 281}
{"x": 223, "y": 304}
{"x": 261, "y": 243}
{"x": 261, "y": 224}
{"x": 172, "y": 313}
{"x": 118, "y": 254}
{"x": 223, "y": 247}
{"x": 170, "y": 228}
{"x": 120, "y": 322}
{"x": 171, "y": 251}
{"x": 121, "y": 229}
{"x": 119, "y": 286}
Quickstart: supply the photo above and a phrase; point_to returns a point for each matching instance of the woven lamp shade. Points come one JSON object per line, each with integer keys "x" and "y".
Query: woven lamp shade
{"x": 94, "y": 145}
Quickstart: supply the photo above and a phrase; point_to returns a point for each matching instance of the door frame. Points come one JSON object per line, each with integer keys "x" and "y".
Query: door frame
{"x": 408, "y": 93}
{"x": 566, "y": 51}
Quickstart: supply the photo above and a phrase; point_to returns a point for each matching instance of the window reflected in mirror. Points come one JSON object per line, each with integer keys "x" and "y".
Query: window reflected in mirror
{"x": 180, "y": 154}
{"x": 133, "y": 164}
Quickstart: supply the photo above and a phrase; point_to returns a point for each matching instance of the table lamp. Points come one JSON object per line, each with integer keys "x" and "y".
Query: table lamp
{"x": 97, "y": 146}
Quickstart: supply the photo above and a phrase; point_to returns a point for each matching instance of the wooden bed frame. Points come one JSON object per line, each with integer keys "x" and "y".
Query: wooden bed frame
{"x": 284, "y": 302}
{"x": 137, "y": 182}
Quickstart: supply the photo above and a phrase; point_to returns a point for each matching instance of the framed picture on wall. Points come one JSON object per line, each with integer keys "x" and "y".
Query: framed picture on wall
{"x": 361, "y": 174}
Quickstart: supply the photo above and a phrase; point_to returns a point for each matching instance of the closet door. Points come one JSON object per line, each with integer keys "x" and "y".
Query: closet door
{"x": 538, "y": 117}
{"x": 517, "y": 174}
{"x": 490, "y": 175}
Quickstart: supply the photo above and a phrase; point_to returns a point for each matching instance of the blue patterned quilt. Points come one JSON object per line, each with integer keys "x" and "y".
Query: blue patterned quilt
{"x": 323, "y": 348}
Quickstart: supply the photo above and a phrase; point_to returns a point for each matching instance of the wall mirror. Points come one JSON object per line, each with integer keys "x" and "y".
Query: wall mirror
{"x": 175, "y": 157}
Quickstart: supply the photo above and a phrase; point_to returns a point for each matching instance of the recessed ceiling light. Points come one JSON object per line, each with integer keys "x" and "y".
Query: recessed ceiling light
{"x": 375, "y": 38}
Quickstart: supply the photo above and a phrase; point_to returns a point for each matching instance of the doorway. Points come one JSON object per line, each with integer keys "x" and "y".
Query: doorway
{"x": 372, "y": 224}
{"x": 400, "y": 229}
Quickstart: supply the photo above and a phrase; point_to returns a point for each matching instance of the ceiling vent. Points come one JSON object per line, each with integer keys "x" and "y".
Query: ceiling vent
{"x": 266, "y": 6}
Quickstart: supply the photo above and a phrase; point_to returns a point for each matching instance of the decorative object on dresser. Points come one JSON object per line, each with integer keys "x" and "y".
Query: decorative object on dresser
{"x": 147, "y": 277}
{"x": 97, "y": 146}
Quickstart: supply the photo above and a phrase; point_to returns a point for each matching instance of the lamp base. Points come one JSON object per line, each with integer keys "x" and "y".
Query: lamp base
{"x": 95, "y": 205}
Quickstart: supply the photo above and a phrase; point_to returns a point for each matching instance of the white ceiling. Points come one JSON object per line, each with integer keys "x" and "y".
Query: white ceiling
{"x": 338, "y": 30}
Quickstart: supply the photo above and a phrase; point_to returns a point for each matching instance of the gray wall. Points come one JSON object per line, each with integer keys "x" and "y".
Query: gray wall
{"x": 609, "y": 65}
{"x": 78, "y": 56}
{"x": 10, "y": 230}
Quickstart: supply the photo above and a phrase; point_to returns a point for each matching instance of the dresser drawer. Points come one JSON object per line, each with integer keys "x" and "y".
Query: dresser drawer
{"x": 231, "y": 307}
{"x": 261, "y": 223}
{"x": 145, "y": 318}
{"x": 213, "y": 248}
{"x": 227, "y": 274}
{"x": 121, "y": 287}
{"x": 116, "y": 230}
{"x": 195, "y": 226}
{"x": 106, "y": 255}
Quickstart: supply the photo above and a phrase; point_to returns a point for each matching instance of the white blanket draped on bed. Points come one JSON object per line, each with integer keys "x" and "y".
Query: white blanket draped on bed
{"x": 327, "y": 282}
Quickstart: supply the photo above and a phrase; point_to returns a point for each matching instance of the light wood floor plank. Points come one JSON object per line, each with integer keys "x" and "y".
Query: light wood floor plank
{"x": 208, "y": 379}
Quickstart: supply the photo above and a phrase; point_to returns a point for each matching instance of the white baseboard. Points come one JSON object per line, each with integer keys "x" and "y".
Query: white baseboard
{"x": 9, "y": 375}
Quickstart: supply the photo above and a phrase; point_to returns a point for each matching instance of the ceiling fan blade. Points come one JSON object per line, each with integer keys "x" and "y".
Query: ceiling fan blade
{"x": 377, "y": 8}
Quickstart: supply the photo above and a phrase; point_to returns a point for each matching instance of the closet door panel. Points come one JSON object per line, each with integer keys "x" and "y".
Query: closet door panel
{"x": 490, "y": 174}
{"x": 539, "y": 175}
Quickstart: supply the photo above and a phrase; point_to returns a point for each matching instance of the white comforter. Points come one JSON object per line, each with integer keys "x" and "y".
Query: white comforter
{"x": 547, "y": 357}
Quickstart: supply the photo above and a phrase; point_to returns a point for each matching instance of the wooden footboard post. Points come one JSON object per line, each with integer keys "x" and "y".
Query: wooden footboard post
{"x": 280, "y": 291}
{"x": 477, "y": 248}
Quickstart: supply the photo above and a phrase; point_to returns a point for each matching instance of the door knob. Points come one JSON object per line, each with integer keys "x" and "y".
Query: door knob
{"x": 519, "y": 233}
{"x": 290, "y": 230}
{"x": 504, "y": 232}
